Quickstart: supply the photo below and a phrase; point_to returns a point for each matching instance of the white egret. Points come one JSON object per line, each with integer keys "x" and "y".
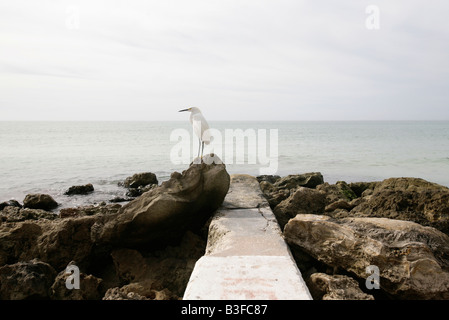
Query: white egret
{"x": 200, "y": 127}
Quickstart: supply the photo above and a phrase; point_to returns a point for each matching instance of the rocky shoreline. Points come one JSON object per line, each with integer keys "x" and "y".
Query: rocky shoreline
{"x": 399, "y": 226}
{"x": 143, "y": 250}
{"x": 147, "y": 248}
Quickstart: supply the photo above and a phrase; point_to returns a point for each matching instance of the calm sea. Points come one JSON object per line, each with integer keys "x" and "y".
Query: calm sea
{"x": 49, "y": 157}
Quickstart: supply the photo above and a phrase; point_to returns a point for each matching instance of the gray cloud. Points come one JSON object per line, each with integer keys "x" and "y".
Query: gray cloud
{"x": 237, "y": 60}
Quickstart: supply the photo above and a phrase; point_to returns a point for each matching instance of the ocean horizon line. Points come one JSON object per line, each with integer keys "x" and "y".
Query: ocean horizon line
{"x": 236, "y": 121}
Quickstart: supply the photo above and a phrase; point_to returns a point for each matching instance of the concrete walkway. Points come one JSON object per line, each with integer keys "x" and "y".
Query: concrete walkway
{"x": 246, "y": 256}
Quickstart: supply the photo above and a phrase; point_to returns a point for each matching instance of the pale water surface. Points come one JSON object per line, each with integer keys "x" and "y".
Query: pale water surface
{"x": 49, "y": 157}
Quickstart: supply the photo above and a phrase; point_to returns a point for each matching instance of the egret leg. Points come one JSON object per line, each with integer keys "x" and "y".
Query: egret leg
{"x": 199, "y": 146}
{"x": 202, "y": 149}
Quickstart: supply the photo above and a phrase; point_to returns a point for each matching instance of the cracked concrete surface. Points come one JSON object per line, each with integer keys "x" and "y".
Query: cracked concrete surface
{"x": 246, "y": 255}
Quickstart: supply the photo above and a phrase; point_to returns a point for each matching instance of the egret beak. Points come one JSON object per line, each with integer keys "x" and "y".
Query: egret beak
{"x": 183, "y": 110}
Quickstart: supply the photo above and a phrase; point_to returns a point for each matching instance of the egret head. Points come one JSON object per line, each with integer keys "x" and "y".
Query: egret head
{"x": 192, "y": 109}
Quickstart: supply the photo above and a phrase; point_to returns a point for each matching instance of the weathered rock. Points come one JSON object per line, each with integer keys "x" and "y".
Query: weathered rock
{"x": 163, "y": 214}
{"x": 90, "y": 234}
{"x": 308, "y": 180}
{"x": 268, "y": 178}
{"x": 10, "y": 203}
{"x": 137, "y": 192}
{"x": 26, "y": 280}
{"x": 89, "y": 210}
{"x": 335, "y": 287}
{"x": 55, "y": 242}
{"x": 413, "y": 260}
{"x": 129, "y": 265}
{"x": 139, "y": 183}
{"x": 409, "y": 184}
{"x": 17, "y": 240}
{"x": 303, "y": 200}
{"x": 66, "y": 240}
{"x": 339, "y": 204}
{"x": 90, "y": 288}
{"x": 336, "y": 192}
{"x": 408, "y": 199}
{"x": 273, "y": 195}
{"x": 138, "y": 291}
{"x": 84, "y": 189}
{"x": 160, "y": 275}
{"x": 39, "y": 201}
{"x": 277, "y": 189}
{"x": 120, "y": 199}
{"x": 15, "y": 214}
{"x": 140, "y": 180}
{"x": 360, "y": 187}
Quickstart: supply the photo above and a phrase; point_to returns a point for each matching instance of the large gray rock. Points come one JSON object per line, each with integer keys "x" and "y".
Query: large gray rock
{"x": 163, "y": 214}
{"x": 39, "y": 201}
{"x": 412, "y": 259}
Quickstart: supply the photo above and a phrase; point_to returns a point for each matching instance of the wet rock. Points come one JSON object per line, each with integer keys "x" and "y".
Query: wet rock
{"x": 139, "y": 183}
{"x": 140, "y": 180}
{"x": 308, "y": 180}
{"x": 413, "y": 260}
{"x": 10, "y": 203}
{"x": 303, "y": 200}
{"x": 335, "y": 287}
{"x": 26, "y": 280}
{"x": 84, "y": 189}
{"x": 136, "y": 192}
{"x": 120, "y": 199}
{"x": 39, "y": 201}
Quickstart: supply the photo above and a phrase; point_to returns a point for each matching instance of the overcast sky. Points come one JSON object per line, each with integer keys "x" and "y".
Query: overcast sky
{"x": 234, "y": 59}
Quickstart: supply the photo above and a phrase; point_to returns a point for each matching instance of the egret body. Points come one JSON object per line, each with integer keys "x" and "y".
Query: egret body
{"x": 200, "y": 127}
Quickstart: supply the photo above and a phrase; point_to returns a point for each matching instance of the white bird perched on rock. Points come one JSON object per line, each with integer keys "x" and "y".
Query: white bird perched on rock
{"x": 200, "y": 127}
